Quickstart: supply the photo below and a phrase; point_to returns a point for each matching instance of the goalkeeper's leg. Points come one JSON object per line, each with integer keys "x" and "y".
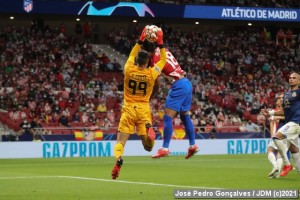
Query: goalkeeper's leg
{"x": 118, "y": 152}
{"x": 147, "y": 143}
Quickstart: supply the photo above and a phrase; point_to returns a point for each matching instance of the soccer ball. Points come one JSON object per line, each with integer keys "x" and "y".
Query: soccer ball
{"x": 151, "y": 32}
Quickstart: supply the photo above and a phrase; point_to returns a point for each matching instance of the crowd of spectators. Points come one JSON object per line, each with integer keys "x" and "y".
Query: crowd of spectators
{"x": 49, "y": 78}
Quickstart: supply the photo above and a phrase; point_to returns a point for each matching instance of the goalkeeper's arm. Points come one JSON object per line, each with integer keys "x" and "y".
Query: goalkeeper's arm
{"x": 137, "y": 46}
{"x": 134, "y": 52}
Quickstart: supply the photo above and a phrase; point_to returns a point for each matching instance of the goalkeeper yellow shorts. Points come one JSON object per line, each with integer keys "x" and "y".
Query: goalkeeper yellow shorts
{"x": 134, "y": 119}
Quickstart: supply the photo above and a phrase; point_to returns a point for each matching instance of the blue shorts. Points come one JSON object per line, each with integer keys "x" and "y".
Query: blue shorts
{"x": 180, "y": 96}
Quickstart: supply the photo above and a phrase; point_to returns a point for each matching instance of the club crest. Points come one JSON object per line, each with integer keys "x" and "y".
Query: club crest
{"x": 28, "y": 5}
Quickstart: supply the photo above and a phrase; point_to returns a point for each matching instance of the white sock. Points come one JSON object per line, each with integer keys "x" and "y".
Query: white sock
{"x": 272, "y": 159}
{"x": 279, "y": 163}
{"x": 282, "y": 150}
{"x": 296, "y": 158}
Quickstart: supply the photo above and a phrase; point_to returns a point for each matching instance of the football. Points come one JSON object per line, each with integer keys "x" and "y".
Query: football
{"x": 151, "y": 33}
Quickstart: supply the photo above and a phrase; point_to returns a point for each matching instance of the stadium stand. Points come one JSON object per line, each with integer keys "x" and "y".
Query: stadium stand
{"x": 44, "y": 72}
{"x": 226, "y": 68}
{"x": 235, "y": 73}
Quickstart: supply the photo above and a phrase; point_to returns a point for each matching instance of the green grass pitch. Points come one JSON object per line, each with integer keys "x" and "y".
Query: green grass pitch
{"x": 140, "y": 178}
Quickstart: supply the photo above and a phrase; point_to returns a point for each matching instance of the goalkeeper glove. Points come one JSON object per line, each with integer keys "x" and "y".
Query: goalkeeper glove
{"x": 143, "y": 36}
{"x": 159, "y": 39}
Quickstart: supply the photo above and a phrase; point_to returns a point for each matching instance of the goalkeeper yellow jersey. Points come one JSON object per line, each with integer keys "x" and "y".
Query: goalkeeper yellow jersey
{"x": 139, "y": 82}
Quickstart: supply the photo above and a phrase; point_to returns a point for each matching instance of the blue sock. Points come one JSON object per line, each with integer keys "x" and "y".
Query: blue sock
{"x": 189, "y": 128}
{"x": 168, "y": 130}
{"x": 288, "y": 154}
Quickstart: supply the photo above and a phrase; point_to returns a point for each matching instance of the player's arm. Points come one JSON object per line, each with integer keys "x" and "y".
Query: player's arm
{"x": 161, "y": 63}
{"x": 156, "y": 70}
{"x": 273, "y": 121}
{"x": 276, "y": 113}
{"x": 137, "y": 47}
{"x": 156, "y": 87}
{"x": 163, "y": 58}
{"x": 134, "y": 52}
{"x": 272, "y": 127}
{"x": 272, "y": 112}
{"x": 277, "y": 117}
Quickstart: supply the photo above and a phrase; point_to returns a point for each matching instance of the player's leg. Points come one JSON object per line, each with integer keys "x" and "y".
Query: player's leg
{"x": 150, "y": 132}
{"x": 148, "y": 139}
{"x": 278, "y": 140}
{"x": 296, "y": 156}
{"x": 271, "y": 153}
{"x": 147, "y": 143}
{"x": 144, "y": 126}
{"x": 118, "y": 152}
{"x": 189, "y": 127}
{"x": 186, "y": 119}
{"x": 190, "y": 131}
{"x": 126, "y": 126}
{"x": 119, "y": 147}
{"x": 172, "y": 106}
{"x": 279, "y": 162}
{"x": 285, "y": 131}
{"x": 168, "y": 130}
{"x": 175, "y": 99}
{"x": 168, "y": 126}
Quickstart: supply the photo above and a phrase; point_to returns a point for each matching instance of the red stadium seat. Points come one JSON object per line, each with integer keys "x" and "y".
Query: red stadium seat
{"x": 247, "y": 115}
{"x": 253, "y": 118}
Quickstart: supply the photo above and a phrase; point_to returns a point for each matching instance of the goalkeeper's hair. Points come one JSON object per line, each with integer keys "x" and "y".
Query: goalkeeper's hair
{"x": 149, "y": 46}
{"x": 142, "y": 58}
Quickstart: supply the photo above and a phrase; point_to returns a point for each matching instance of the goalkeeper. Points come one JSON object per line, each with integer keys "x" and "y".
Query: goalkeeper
{"x": 138, "y": 86}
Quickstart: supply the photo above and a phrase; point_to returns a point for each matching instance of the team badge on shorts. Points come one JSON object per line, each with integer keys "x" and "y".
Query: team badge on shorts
{"x": 157, "y": 69}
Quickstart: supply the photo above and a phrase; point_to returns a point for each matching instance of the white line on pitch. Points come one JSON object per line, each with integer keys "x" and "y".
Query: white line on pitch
{"x": 27, "y": 177}
{"x": 109, "y": 180}
{"x": 138, "y": 183}
{"x": 127, "y": 162}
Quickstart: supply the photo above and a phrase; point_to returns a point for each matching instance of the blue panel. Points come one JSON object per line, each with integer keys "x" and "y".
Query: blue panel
{"x": 241, "y": 13}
